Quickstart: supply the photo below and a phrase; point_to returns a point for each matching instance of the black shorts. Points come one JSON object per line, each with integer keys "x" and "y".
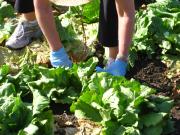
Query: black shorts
{"x": 108, "y": 24}
{"x": 22, "y": 6}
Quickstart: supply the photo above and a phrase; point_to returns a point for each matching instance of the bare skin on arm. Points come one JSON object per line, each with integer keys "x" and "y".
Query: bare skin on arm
{"x": 46, "y": 21}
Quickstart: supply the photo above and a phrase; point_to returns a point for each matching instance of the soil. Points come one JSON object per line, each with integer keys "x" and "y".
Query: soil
{"x": 70, "y": 125}
{"x": 151, "y": 72}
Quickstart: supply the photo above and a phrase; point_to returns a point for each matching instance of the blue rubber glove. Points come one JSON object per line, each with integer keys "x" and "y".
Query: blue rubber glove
{"x": 60, "y": 58}
{"x": 117, "y": 68}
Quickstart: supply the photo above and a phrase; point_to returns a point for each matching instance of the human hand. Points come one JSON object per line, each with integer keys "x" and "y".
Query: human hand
{"x": 60, "y": 58}
{"x": 116, "y": 68}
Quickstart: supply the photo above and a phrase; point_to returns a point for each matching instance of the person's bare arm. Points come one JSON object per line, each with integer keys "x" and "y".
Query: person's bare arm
{"x": 46, "y": 21}
{"x": 126, "y": 17}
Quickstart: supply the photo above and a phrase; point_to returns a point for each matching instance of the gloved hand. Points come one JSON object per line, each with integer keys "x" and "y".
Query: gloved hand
{"x": 117, "y": 68}
{"x": 60, "y": 58}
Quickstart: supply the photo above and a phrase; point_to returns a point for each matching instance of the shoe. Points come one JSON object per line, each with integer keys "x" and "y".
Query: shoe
{"x": 23, "y": 35}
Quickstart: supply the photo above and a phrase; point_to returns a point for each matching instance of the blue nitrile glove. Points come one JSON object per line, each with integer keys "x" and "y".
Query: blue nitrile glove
{"x": 60, "y": 58}
{"x": 117, "y": 68}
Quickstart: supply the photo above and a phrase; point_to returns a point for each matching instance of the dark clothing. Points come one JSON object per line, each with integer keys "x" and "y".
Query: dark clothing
{"x": 22, "y": 6}
{"x": 108, "y": 24}
{"x": 12, "y": 2}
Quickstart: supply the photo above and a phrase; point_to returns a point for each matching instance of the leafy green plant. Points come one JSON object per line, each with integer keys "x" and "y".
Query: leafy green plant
{"x": 122, "y": 106}
{"x": 76, "y": 36}
{"x": 6, "y": 11}
{"x": 157, "y": 29}
{"x": 89, "y": 13}
{"x": 16, "y": 118}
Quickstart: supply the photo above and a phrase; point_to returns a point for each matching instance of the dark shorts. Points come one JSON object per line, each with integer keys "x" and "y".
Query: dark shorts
{"x": 108, "y": 24}
{"x": 22, "y": 6}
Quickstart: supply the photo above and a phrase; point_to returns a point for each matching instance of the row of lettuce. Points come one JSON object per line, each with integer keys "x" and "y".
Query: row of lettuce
{"x": 157, "y": 27}
{"x": 120, "y": 106}
{"x": 157, "y": 30}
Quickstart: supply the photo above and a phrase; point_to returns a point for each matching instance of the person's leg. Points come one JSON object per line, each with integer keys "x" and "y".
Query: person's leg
{"x": 29, "y": 16}
{"x": 27, "y": 28}
{"x": 125, "y": 21}
{"x": 113, "y": 51}
{"x": 108, "y": 28}
{"x": 26, "y": 8}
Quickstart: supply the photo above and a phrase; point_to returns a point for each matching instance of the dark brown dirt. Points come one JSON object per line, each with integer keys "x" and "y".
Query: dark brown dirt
{"x": 176, "y": 118}
{"x": 152, "y": 72}
{"x": 58, "y": 108}
{"x": 63, "y": 121}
